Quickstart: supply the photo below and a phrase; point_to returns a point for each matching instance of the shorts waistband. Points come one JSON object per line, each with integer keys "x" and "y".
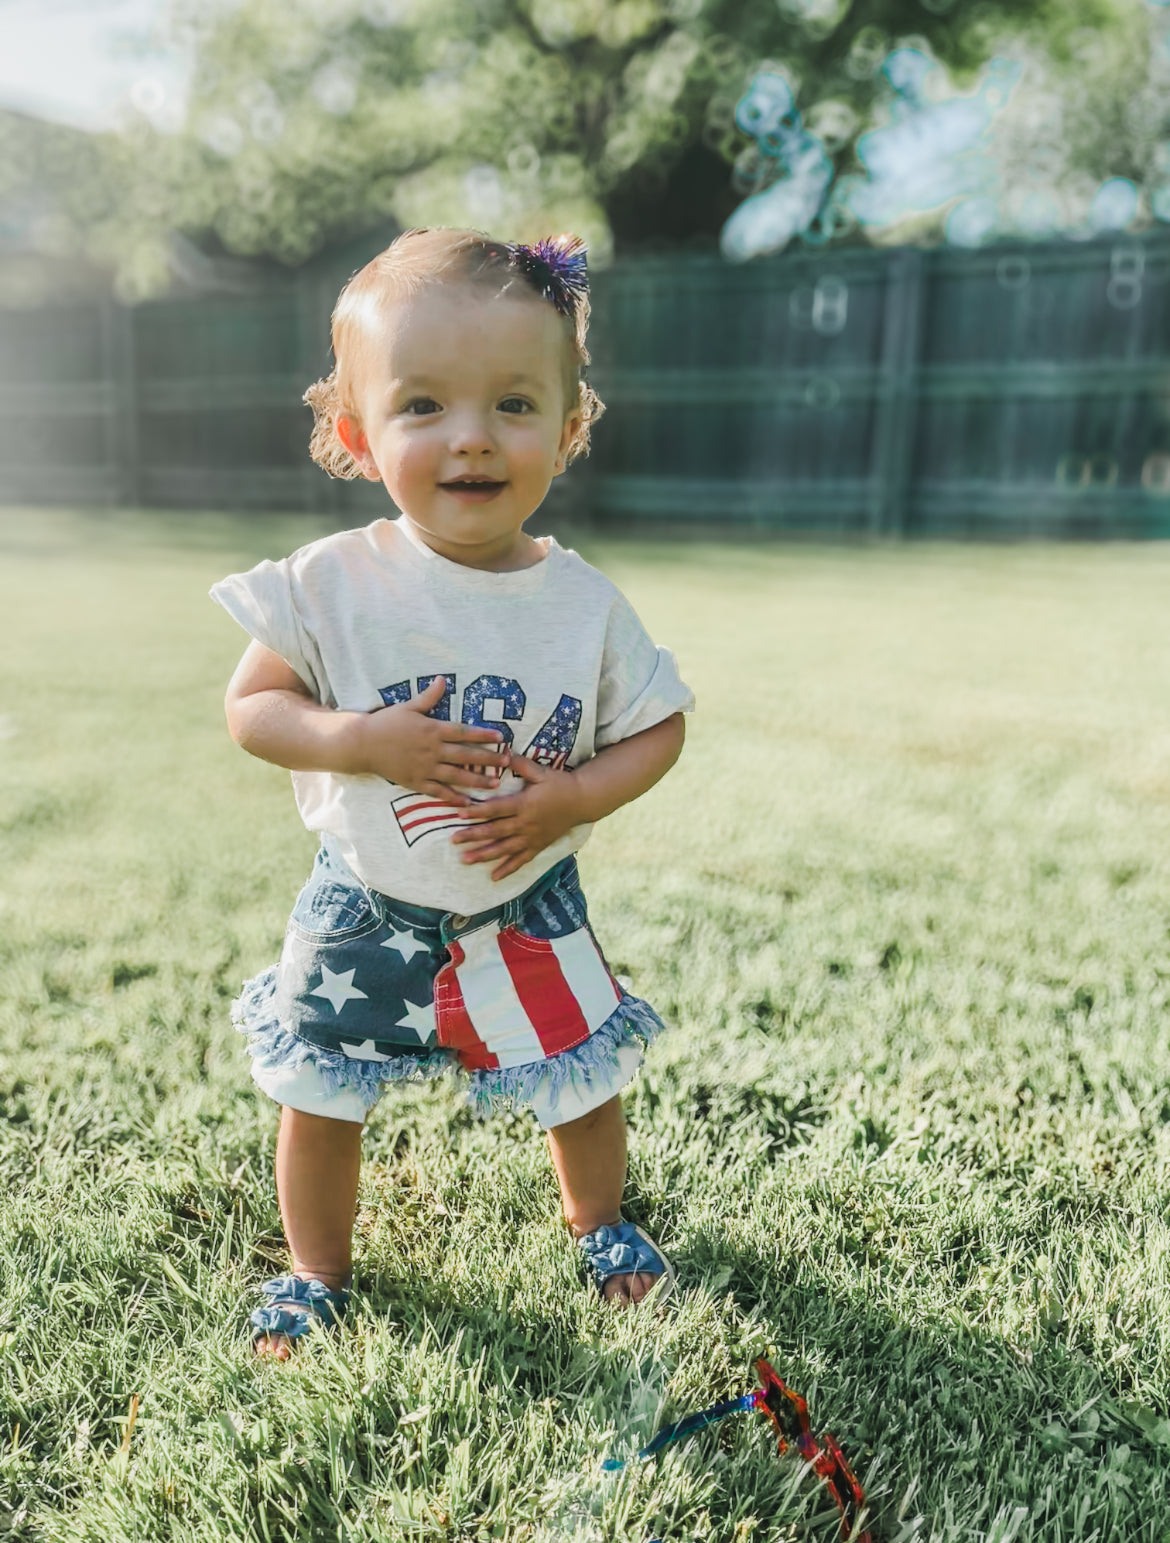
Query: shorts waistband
{"x": 449, "y": 924}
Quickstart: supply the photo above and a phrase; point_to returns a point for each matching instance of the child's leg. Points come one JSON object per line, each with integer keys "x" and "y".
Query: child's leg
{"x": 589, "y": 1155}
{"x": 318, "y": 1161}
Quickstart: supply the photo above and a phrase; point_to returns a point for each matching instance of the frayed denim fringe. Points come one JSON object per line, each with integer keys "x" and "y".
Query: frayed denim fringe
{"x": 254, "y": 1013}
{"x": 631, "y": 1022}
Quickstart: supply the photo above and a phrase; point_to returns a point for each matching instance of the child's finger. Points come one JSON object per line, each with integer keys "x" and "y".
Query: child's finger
{"x": 512, "y": 865}
{"x": 429, "y": 698}
{"x": 465, "y": 733}
{"x": 469, "y": 752}
{"x": 457, "y": 777}
{"x": 485, "y": 851}
{"x": 489, "y": 814}
{"x": 492, "y": 810}
{"x": 527, "y": 770}
{"x": 449, "y": 795}
{"x": 482, "y": 852}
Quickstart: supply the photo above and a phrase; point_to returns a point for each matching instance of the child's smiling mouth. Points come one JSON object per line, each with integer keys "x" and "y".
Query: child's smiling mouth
{"x": 473, "y": 490}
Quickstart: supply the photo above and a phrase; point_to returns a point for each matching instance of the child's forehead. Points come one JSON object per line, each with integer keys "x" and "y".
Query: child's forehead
{"x": 463, "y": 325}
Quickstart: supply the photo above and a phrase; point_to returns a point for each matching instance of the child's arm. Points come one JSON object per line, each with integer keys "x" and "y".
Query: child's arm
{"x": 512, "y": 830}
{"x": 271, "y": 714}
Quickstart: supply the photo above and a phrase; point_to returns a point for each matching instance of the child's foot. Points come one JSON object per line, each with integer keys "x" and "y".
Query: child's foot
{"x": 294, "y": 1301}
{"x": 278, "y": 1345}
{"x": 624, "y": 1289}
{"x": 626, "y": 1263}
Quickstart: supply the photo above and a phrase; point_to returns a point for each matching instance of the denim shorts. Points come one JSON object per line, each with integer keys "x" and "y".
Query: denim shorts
{"x": 370, "y": 990}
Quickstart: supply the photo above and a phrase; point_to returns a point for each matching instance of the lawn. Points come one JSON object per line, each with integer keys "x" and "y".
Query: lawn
{"x": 905, "y": 903}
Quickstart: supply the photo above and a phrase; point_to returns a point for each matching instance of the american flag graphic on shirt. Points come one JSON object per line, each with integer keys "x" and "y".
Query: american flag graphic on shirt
{"x": 418, "y": 815}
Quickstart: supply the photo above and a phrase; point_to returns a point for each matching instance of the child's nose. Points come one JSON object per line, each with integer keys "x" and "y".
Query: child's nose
{"x": 470, "y": 432}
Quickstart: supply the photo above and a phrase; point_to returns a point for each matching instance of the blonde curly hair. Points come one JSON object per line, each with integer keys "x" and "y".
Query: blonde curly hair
{"x": 427, "y": 255}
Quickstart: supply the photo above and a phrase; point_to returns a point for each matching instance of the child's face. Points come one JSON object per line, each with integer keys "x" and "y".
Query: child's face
{"x": 464, "y": 385}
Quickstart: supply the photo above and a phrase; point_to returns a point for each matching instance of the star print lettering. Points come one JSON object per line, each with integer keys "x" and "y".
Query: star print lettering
{"x": 553, "y": 657}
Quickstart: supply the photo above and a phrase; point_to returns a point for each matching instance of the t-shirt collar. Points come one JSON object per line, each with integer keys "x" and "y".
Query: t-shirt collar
{"x": 443, "y": 571}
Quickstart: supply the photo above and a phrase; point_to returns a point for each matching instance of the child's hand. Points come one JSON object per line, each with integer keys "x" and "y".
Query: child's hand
{"x": 425, "y": 754}
{"x": 518, "y": 826}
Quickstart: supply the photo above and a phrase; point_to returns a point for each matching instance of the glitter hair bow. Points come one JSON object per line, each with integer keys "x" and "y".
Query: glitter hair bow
{"x": 556, "y": 268}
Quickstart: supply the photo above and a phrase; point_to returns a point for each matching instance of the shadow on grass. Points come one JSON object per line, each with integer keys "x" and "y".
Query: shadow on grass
{"x": 1080, "y": 1460}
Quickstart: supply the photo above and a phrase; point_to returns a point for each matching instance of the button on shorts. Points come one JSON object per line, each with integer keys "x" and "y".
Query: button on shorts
{"x": 369, "y": 990}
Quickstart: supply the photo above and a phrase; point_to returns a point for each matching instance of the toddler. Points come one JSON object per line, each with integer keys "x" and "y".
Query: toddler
{"x": 458, "y": 702}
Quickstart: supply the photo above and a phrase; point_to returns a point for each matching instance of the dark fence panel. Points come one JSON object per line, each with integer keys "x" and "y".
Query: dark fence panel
{"x": 1016, "y": 390}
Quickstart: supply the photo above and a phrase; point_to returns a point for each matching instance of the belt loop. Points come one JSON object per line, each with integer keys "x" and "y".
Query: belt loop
{"x": 335, "y": 860}
{"x": 371, "y": 895}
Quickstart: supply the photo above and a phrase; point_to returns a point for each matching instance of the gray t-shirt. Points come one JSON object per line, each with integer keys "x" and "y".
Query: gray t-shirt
{"x": 553, "y": 656}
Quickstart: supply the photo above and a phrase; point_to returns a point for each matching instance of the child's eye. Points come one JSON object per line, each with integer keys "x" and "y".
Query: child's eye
{"x": 515, "y": 404}
{"x": 421, "y": 406}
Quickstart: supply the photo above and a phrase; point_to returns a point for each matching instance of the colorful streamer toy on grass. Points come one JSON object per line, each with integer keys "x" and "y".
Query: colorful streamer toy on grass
{"x": 788, "y": 1413}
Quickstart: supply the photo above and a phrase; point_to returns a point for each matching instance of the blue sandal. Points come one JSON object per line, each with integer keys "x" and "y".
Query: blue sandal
{"x": 622, "y": 1250}
{"x": 295, "y": 1306}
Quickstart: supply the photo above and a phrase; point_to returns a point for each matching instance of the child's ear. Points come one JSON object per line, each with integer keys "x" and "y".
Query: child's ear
{"x": 568, "y": 435}
{"x": 352, "y": 436}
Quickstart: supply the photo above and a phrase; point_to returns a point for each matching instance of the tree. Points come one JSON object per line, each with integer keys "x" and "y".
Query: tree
{"x": 312, "y": 120}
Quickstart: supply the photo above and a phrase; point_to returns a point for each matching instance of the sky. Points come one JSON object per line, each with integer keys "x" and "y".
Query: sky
{"x": 75, "y": 61}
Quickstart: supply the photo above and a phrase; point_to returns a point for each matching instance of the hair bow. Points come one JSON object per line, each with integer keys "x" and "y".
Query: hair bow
{"x": 556, "y": 267}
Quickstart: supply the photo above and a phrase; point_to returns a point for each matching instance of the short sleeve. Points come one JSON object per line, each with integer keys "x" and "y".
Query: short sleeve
{"x": 640, "y": 684}
{"x": 263, "y": 602}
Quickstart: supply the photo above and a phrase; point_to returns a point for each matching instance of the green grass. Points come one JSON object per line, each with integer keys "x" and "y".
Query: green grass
{"x": 905, "y": 902}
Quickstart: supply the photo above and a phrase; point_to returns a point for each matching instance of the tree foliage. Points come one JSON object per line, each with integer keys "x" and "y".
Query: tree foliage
{"x": 309, "y": 120}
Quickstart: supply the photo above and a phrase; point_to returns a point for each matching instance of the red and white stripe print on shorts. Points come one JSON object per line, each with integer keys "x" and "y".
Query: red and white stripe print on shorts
{"x": 507, "y": 998}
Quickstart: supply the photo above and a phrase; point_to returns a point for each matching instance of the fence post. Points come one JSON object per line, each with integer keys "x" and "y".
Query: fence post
{"x": 897, "y": 405}
{"x": 122, "y": 438}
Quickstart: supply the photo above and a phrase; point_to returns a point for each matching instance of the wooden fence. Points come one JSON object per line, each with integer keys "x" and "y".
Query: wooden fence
{"x": 1018, "y": 390}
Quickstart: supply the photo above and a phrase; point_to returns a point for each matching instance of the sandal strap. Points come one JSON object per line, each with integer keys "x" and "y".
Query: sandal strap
{"x": 620, "y": 1250}
{"x": 294, "y": 1304}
